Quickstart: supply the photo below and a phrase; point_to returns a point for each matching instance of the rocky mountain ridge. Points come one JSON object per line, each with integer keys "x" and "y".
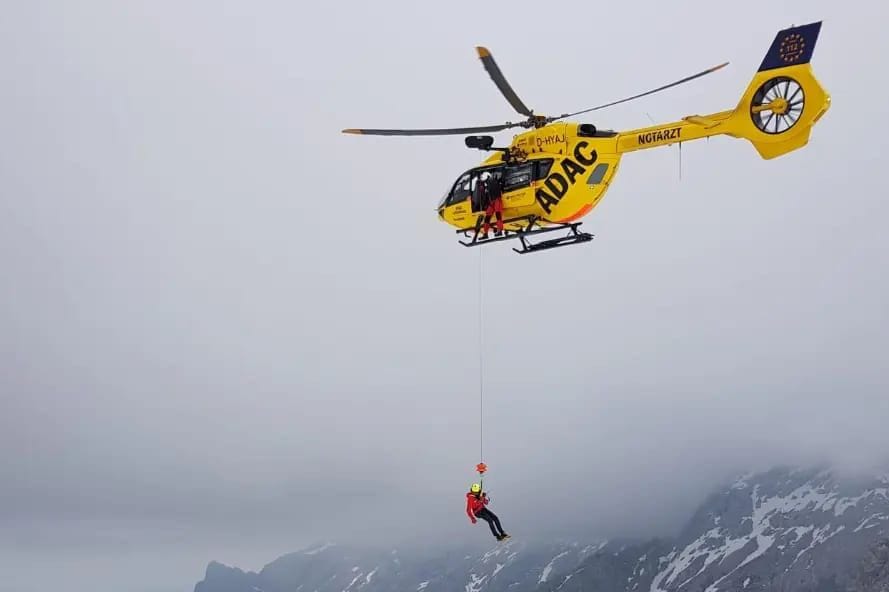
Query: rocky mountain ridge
{"x": 787, "y": 529}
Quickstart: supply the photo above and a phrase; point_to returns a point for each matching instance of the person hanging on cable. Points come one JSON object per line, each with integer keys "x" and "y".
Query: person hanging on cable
{"x": 476, "y": 507}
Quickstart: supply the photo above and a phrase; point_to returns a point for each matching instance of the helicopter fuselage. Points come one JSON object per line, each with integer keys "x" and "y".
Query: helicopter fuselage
{"x": 558, "y": 170}
{"x": 557, "y": 173}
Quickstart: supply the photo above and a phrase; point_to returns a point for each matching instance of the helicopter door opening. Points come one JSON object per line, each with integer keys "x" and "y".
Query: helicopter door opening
{"x": 474, "y": 189}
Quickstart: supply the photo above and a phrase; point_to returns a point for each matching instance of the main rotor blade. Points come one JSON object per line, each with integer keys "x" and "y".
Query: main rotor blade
{"x": 430, "y": 132}
{"x": 666, "y": 86}
{"x": 500, "y": 80}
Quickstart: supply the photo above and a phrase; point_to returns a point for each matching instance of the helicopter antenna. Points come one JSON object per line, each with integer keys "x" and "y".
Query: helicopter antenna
{"x": 680, "y": 161}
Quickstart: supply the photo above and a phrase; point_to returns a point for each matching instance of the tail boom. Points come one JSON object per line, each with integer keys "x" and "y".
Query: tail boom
{"x": 776, "y": 113}
{"x": 693, "y": 127}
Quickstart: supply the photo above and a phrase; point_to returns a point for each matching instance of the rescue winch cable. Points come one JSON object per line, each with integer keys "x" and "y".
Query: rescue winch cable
{"x": 480, "y": 467}
{"x": 481, "y": 386}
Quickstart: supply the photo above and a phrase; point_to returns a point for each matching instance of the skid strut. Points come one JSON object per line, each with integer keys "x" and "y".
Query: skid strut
{"x": 530, "y": 228}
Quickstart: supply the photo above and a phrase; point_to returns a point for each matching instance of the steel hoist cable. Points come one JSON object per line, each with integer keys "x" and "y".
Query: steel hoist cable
{"x": 481, "y": 386}
{"x": 480, "y": 467}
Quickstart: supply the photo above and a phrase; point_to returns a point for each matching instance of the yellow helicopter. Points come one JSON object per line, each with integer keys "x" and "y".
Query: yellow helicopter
{"x": 555, "y": 173}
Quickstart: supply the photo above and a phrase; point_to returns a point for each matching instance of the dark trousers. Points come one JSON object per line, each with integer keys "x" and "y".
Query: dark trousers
{"x": 492, "y": 520}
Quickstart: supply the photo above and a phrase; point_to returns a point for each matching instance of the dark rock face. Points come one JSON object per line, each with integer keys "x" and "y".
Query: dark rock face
{"x": 873, "y": 570}
{"x": 786, "y": 530}
{"x": 221, "y": 578}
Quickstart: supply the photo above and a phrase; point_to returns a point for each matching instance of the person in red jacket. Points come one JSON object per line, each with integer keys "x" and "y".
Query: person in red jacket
{"x": 476, "y": 502}
{"x": 492, "y": 199}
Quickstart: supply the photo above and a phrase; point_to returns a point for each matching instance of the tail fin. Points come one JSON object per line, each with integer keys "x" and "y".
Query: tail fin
{"x": 784, "y": 100}
{"x": 792, "y": 47}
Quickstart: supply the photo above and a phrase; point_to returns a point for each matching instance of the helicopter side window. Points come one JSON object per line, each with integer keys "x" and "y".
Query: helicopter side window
{"x": 461, "y": 190}
{"x": 542, "y": 167}
{"x": 516, "y": 177}
{"x": 597, "y": 174}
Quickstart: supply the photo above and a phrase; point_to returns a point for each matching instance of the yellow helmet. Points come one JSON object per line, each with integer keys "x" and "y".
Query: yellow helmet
{"x": 475, "y": 488}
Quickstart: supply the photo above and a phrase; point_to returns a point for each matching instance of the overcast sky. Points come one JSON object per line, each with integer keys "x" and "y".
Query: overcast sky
{"x": 228, "y": 330}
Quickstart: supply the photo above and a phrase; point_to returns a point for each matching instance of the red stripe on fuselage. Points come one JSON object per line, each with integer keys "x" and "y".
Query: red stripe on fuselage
{"x": 578, "y": 214}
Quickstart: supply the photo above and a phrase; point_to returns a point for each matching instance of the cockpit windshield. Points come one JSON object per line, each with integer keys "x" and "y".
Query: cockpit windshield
{"x": 462, "y": 188}
{"x": 458, "y": 192}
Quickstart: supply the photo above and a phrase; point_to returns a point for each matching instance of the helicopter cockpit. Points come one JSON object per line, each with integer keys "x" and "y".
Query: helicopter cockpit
{"x": 464, "y": 187}
{"x": 512, "y": 177}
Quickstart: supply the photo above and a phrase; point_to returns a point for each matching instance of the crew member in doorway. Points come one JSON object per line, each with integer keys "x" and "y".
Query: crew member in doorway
{"x": 493, "y": 199}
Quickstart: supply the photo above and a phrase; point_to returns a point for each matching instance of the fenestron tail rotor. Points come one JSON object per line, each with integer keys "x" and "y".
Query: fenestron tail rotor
{"x": 777, "y": 105}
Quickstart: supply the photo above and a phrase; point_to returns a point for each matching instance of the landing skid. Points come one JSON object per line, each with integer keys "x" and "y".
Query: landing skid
{"x": 532, "y": 227}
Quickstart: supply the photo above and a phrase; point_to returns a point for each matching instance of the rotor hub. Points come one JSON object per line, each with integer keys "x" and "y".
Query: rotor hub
{"x": 538, "y": 121}
{"x": 780, "y": 106}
